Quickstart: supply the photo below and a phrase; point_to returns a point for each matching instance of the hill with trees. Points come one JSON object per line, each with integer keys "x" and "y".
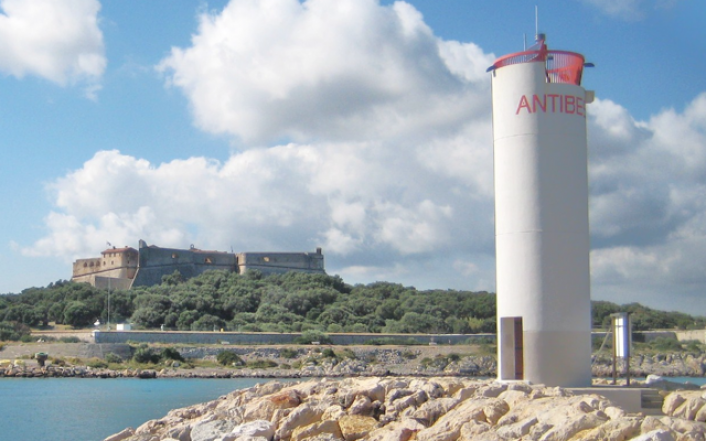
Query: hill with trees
{"x": 291, "y": 302}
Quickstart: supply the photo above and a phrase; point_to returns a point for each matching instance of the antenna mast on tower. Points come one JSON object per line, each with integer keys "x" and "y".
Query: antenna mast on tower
{"x": 536, "y": 20}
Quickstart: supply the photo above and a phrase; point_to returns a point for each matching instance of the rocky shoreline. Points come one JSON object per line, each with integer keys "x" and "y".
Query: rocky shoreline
{"x": 422, "y": 409}
{"x": 311, "y": 362}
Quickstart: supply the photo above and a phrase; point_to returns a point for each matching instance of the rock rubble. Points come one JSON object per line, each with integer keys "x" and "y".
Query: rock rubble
{"x": 423, "y": 409}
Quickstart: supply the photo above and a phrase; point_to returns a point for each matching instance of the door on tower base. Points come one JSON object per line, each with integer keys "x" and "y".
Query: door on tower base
{"x": 511, "y": 349}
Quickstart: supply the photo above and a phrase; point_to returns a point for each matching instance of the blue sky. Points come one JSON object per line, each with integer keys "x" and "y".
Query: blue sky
{"x": 361, "y": 126}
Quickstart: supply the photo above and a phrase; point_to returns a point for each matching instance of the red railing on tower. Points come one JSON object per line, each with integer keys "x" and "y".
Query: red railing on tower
{"x": 562, "y": 66}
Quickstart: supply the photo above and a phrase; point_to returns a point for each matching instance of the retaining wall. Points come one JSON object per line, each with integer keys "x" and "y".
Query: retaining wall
{"x": 212, "y": 338}
{"x": 252, "y": 338}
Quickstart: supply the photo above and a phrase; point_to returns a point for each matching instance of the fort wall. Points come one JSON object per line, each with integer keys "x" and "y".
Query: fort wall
{"x": 157, "y": 262}
{"x": 124, "y": 268}
{"x": 277, "y": 263}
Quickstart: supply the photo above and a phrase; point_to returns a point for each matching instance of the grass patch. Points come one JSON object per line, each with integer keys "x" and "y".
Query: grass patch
{"x": 261, "y": 363}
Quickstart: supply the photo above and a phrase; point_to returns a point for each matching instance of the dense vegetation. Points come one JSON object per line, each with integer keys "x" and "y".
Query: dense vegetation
{"x": 292, "y": 302}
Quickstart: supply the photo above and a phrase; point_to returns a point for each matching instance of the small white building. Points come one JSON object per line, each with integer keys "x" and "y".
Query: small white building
{"x": 123, "y": 327}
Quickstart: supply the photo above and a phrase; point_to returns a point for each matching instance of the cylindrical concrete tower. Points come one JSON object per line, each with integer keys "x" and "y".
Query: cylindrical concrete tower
{"x": 541, "y": 217}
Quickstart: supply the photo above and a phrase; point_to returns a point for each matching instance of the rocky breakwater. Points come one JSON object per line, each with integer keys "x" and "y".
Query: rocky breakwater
{"x": 666, "y": 365}
{"x": 404, "y": 409}
{"x": 24, "y": 371}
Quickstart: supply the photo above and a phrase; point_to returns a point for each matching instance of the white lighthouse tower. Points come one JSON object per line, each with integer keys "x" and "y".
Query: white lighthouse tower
{"x": 541, "y": 217}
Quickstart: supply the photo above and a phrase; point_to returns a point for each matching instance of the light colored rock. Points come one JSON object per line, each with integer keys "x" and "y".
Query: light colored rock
{"x": 252, "y": 429}
{"x": 492, "y": 390}
{"x": 494, "y": 410}
{"x": 370, "y": 387}
{"x": 401, "y": 430}
{"x": 614, "y": 413}
{"x": 689, "y": 408}
{"x": 472, "y": 429}
{"x": 120, "y": 436}
{"x": 700, "y": 415}
{"x": 518, "y": 429}
{"x": 327, "y": 428}
{"x": 465, "y": 393}
{"x": 420, "y": 397}
{"x": 396, "y": 394}
{"x": 334, "y": 412}
{"x": 683, "y": 426}
{"x": 513, "y": 396}
{"x": 653, "y": 379}
{"x": 401, "y": 404}
{"x": 567, "y": 429}
{"x": 264, "y": 408}
{"x": 655, "y": 435}
{"x": 180, "y": 433}
{"x": 362, "y": 405}
{"x": 432, "y": 410}
{"x": 243, "y": 438}
{"x": 690, "y": 436}
{"x": 448, "y": 427}
{"x": 614, "y": 430}
{"x": 301, "y": 416}
{"x": 672, "y": 402}
{"x": 651, "y": 423}
{"x": 211, "y": 430}
{"x": 192, "y": 412}
{"x": 354, "y": 427}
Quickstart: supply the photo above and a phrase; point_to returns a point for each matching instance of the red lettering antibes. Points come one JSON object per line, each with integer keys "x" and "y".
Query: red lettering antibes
{"x": 552, "y": 103}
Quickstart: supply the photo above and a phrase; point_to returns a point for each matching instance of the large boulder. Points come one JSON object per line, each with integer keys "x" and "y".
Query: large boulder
{"x": 354, "y": 427}
{"x": 327, "y": 429}
{"x": 211, "y": 430}
{"x": 253, "y": 429}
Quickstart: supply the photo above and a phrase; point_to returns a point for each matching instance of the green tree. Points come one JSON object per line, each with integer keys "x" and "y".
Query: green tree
{"x": 78, "y": 315}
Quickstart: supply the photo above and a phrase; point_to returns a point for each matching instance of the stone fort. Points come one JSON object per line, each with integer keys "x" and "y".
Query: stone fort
{"x": 124, "y": 268}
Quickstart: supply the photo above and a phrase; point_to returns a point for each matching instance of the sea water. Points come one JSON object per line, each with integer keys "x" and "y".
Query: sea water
{"x": 74, "y": 409}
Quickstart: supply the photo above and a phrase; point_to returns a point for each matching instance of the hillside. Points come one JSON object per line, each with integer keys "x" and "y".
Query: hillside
{"x": 292, "y": 302}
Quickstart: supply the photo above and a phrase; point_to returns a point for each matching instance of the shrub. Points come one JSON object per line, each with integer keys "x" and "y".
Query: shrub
{"x": 393, "y": 341}
{"x": 144, "y": 354}
{"x": 311, "y": 336}
{"x": 348, "y": 353}
{"x": 71, "y": 339}
{"x": 113, "y": 358}
{"x": 171, "y": 354}
{"x": 288, "y": 353}
{"x": 96, "y": 363}
{"x": 57, "y": 361}
{"x": 229, "y": 358}
{"x": 693, "y": 346}
{"x": 334, "y": 328}
{"x": 453, "y": 357}
{"x": 328, "y": 353}
{"x": 665, "y": 344}
{"x": 409, "y": 355}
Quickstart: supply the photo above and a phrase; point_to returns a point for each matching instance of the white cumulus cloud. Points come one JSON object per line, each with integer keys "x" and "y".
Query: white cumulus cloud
{"x": 647, "y": 208}
{"x": 58, "y": 40}
{"x": 346, "y": 69}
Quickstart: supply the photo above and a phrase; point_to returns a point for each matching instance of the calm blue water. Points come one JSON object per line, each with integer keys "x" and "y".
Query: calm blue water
{"x": 74, "y": 409}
